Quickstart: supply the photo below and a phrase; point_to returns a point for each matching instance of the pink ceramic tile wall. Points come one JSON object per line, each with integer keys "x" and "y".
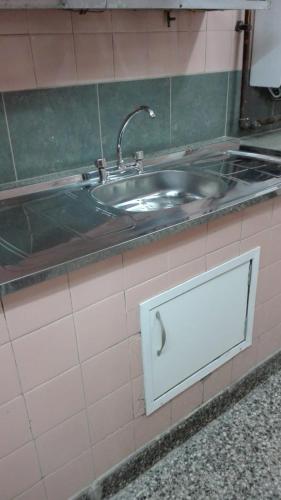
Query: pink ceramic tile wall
{"x": 72, "y": 405}
{"x": 55, "y": 48}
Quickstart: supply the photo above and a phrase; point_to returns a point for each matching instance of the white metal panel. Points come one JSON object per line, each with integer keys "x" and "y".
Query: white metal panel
{"x": 207, "y": 319}
{"x": 52, "y": 4}
{"x": 188, "y": 4}
{"x": 266, "y": 56}
{"x": 134, "y": 4}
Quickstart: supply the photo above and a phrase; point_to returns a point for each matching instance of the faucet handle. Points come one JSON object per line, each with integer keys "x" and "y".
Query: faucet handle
{"x": 139, "y": 156}
{"x": 101, "y": 165}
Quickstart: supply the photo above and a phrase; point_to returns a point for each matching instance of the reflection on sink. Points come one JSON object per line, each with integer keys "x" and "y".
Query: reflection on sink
{"x": 159, "y": 190}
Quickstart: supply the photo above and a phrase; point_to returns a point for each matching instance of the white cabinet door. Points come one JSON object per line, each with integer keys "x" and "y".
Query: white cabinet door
{"x": 190, "y": 330}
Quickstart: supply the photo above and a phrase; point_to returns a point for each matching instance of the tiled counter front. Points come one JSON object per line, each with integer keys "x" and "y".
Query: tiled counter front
{"x": 71, "y": 389}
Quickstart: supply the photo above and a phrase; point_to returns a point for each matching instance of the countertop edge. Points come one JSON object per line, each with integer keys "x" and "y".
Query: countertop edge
{"x": 77, "y": 263}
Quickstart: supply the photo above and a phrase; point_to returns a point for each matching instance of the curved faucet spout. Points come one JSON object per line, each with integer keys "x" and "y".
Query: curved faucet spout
{"x": 125, "y": 123}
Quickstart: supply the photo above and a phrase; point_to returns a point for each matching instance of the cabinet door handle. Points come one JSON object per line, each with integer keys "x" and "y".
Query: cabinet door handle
{"x": 163, "y": 333}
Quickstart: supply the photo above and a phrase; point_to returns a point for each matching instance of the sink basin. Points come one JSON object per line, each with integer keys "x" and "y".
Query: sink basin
{"x": 159, "y": 190}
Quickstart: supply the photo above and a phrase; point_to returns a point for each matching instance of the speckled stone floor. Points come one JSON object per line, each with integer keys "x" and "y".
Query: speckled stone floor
{"x": 237, "y": 456}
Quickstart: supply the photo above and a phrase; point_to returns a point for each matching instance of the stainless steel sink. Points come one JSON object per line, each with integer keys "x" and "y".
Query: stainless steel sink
{"x": 159, "y": 190}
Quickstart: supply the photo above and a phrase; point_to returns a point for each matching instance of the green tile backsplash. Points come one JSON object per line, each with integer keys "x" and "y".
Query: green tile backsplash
{"x": 118, "y": 99}
{"x": 7, "y": 170}
{"x": 61, "y": 129}
{"x": 198, "y": 107}
{"x": 53, "y": 130}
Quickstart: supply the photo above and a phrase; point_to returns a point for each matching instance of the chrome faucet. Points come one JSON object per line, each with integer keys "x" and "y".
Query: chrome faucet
{"x": 139, "y": 154}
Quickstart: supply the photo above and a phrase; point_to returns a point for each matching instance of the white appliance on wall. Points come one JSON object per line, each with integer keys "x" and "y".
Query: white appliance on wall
{"x": 266, "y": 54}
{"x": 190, "y": 330}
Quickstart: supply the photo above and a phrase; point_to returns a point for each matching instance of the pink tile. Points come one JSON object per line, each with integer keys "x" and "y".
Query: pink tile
{"x": 111, "y": 413}
{"x": 131, "y": 55}
{"x": 223, "y": 231}
{"x": 14, "y": 426}
{"x": 16, "y": 65}
{"x": 261, "y": 320}
{"x": 129, "y": 21}
{"x": 217, "y": 381}
{"x": 138, "y": 397}
{"x": 145, "y": 262}
{"x": 184, "y": 20}
{"x": 276, "y": 213}
{"x": 106, "y": 372}
{"x": 53, "y": 402}
{"x": 268, "y": 344}
{"x": 71, "y": 478}
{"x": 191, "y": 52}
{"x": 163, "y": 53}
{"x": 49, "y": 21}
{"x": 222, "y": 255}
{"x": 46, "y": 353}
{"x": 147, "y": 428}
{"x": 94, "y": 57}
{"x": 187, "y": 245}
{"x": 10, "y": 389}
{"x": 156, "y": 20}
{"x": 92, "y": 22}
{"x": 4, "y": 336}
{"x": 13, "y": 22}
{"x": 96, "y": 282}
{"x": 37, "y": 306}
{"x": 275, "y": 244}
{"x": 37, "y": 492}
{"x": 18, "y": 472}
{"x": 186, "y": 272}
{"x": 220, "y": 20}
{"x": 269, "y": 282}
{"x": 133, "y": 321}
{"x": 256, "y": 218}
{"x": 262, "y": 240}
{"x": 273, "y": 312}
{"x": 218, "y": 51}
{"x": 63, "y": 443}
{"x": 101, "y": 326}
{"x": 192, "y": 20}
{"x": 185, "y": 403}
{"x": 113, "y": 449}
{"x": 137, "y": 294}
{"x": 244, "y": 362}
{"x": 135, "y": 356}
{"x": 236, "y": 61}
{"x": 54, "y": 60}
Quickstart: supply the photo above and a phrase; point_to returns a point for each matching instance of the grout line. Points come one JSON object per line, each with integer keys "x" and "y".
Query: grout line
{"x": 112, "y": 33}
{"x": 86, "y": 409}
{"x": 227, "y": 103}
{"x": 33, "y": 438}
{"x": 33, "y": 61}
{"x": 170, "y": 78}
{"x": 99, "y": 120}
{"x": 9, "y": 136}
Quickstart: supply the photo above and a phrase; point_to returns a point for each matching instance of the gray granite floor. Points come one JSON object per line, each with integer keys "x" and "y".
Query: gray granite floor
{"x": 237, "y": 456}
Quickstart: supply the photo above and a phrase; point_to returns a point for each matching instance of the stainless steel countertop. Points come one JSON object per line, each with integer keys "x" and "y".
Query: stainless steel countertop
{"x": 59, "y": 227}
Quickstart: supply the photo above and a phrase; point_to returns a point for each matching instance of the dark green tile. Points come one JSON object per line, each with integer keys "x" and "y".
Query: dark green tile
{"x": 198, "y": 107}
{"x": 7, "y": 172}
{"x": 259, "y": 103}
{"x": 120, "y": 98}
{"x": 233, "y": 109}
{"x": 54, "y": 129}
